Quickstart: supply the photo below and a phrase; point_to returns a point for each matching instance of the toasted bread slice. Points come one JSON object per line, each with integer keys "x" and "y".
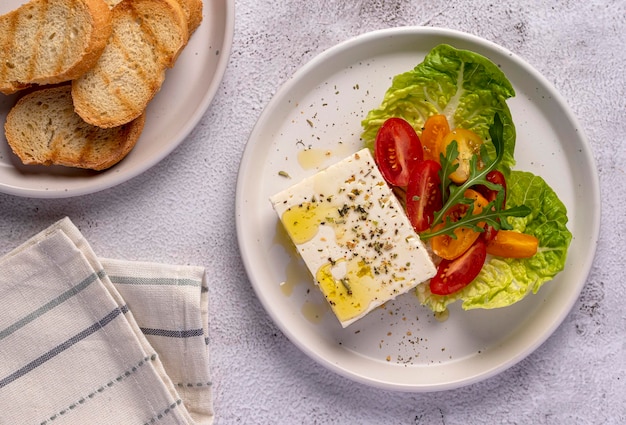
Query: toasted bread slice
{"x": 147, "y": 38}
{"x": 191, "y": 8}
{"x": 43, "y": 129}
{"x": 193, "y": 13}
{"x": 51, "y": 41}
{"x": 112, "y": 3}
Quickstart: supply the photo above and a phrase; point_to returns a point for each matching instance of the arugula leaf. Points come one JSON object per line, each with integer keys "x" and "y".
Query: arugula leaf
{"x": 448, "y": 166}
{"x": 453, "y": 195}
{"x": 490, "y": 215}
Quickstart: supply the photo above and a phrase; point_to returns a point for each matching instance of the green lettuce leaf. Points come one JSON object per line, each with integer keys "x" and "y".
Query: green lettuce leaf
{"x": 464, "y": 86}
{"x": 504, "y": 281}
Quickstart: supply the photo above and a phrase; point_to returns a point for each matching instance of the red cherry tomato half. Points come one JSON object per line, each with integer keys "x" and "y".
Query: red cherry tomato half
{"x": 454, "y": 275}
{"x": 490, "y": 232}
{"x": 423, "y": 194}
{"x": 397, "y": 148}
{"x": 495, "y": 177}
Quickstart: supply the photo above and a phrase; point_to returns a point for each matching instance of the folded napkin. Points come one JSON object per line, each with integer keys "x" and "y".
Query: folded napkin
{"x": 88, "y": 340}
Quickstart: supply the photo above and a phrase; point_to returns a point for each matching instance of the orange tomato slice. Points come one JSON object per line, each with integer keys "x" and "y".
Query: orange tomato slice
{"x": 511, "y": 244}
{"x": 468, "y": 145}
{"x": 435, "y": 129}
{"x": 446, "y": 246}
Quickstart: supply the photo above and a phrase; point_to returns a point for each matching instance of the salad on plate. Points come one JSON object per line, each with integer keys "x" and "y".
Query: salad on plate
{"x": 444, "y": 140}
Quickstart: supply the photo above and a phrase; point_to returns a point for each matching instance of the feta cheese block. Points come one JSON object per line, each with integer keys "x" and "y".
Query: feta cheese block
{"x": 354, "y": 236}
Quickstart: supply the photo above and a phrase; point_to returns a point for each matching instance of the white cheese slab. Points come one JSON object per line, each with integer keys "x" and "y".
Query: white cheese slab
{"x": 354, "y": 236}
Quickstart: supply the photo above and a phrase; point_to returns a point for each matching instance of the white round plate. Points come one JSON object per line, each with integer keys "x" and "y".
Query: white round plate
{"x": 186, "y": 94}
{"x": 402, "y": 346}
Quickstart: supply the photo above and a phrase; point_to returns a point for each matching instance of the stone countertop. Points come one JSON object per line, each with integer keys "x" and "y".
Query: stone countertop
{"x": 182, "y": 211}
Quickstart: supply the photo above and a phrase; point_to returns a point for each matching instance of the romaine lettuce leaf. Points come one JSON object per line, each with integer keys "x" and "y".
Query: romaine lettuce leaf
{"x": 465, "y": 86}
{"x": 504, "y": 281}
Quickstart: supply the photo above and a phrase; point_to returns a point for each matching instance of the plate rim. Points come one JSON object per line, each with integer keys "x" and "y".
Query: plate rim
{"x": 416, "y": 31}
{"x": 113, "y": 176}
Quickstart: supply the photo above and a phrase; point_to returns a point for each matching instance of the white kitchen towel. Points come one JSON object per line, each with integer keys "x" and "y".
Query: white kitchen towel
{"x": 85, "y": 340}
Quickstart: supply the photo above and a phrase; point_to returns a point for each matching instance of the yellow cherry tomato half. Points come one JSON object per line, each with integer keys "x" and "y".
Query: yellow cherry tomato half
{"x": 511, "y": 244}
{"x": 446, "y": 246}
{"x": 435, "y": 129}
{"x": 468, "y": 145}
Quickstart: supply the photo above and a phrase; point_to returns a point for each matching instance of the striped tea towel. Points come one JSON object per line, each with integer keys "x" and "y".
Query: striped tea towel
{"x": 86, "y": 340}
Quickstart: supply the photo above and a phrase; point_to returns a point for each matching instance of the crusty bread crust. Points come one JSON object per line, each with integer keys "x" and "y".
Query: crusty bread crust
{"x": 112, "y": 3}
{"x": 147, "y": 37}
{"x": 51, "y": 41}
{"x": 43, "y": 129}
{"x": 193, "y": 13}
{"x": 191, "y": 8}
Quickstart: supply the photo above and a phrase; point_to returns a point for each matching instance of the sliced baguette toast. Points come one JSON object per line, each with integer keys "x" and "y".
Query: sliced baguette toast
{"x": 51, "y": 41}
{"x": 191, "y": 8}
{"x": 112, "y": 3}
{"x": 147, "y": 37}
{"x": 43, "y": 129}
{"x": 193, "y": 13}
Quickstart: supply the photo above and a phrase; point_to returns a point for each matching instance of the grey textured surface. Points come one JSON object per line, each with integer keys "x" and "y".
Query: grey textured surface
{"x": 182, "y": 211}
